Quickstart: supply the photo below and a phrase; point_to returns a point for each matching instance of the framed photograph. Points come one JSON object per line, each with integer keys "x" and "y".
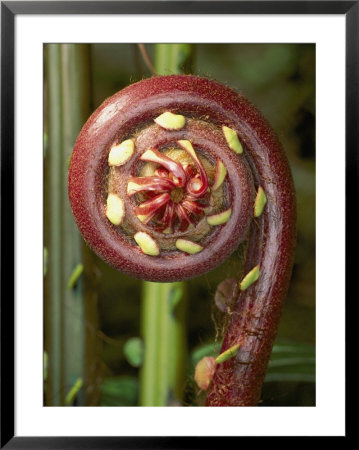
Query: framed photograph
{"x": 171, "y": 176}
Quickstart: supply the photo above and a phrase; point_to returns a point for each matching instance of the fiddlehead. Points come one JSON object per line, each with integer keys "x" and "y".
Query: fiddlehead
{"x": 155, "y": 187}
{"x": 167, "y": 177}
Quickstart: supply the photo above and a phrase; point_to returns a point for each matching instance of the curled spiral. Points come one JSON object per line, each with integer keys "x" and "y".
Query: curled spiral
{"x": 167, "y": 178}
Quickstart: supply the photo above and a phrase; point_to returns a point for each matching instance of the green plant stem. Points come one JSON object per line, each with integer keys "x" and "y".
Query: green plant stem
{"x": 53, "y": 225}
{"x": 163, "y": 304}
{"x": 164, "y": 337}
{"x": 173, "y": 58}
{"x": 67, "y": 100}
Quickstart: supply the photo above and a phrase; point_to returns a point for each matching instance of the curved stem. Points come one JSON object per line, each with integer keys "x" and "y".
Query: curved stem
{"x": 147, "y": 58}
{"x": 255, "y": 317}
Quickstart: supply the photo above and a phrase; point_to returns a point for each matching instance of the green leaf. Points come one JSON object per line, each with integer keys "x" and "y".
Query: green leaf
{"x": 289, "y": 347}
{"x": 46, "y": 140}
{"x": 46, "y": 257}
{"x": 294, "y": 377}
{"x": 119, "y": 391}
{"x": 46, "y": 362}
{"x": 229, "y": 353}
{"x": 133, "y": 350}
{"x": 72, "y": 394}
{"x": 175, "y": 295}
{"x": 291, "y": 361}
{"x": 74, "y": 277}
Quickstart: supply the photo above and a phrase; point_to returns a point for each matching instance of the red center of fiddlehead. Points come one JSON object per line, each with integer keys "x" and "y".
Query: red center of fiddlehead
{"x": 175, "y": 195}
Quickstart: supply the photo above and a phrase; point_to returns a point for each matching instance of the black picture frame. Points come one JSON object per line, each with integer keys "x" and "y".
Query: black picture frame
{"x": 9, "y": 10}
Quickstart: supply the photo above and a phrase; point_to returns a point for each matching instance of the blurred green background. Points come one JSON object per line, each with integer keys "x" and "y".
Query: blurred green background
{"x": 93, "y": 312}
